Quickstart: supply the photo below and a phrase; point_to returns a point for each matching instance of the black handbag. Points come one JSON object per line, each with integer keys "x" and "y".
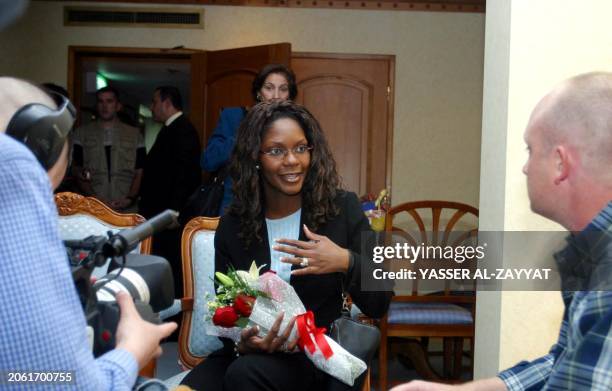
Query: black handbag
{"x": 206, "y": 200}
{"x": 359, "y": 339}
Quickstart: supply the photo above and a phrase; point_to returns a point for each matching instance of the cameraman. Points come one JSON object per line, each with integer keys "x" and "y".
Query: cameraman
{"x": 43, "y": 326}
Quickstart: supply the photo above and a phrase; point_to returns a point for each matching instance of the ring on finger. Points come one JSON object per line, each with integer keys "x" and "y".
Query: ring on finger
{"x": 304, "y": 262}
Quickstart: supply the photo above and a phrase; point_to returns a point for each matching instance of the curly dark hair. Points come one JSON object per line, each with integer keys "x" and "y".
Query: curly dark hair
{"x": 320, "y": 185}
{"x": 260, "y": 79}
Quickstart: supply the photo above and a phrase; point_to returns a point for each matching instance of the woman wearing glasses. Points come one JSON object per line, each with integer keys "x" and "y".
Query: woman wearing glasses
{"x": 288, "y": 214}
{"x": 274, "y": 82}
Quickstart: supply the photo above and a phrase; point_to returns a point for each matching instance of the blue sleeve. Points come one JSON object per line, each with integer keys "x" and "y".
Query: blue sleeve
{"x": 220, "y": 145}
{"x": 533, "y": 375}
{"x": 586, "y": 365}
{"x": 43, "y": 326}
{"x": 528, "y": 375}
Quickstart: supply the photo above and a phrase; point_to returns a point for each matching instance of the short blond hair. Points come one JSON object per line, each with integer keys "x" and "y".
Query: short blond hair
{"x": 16, "y": 93}
{"x": 579, "y": 113}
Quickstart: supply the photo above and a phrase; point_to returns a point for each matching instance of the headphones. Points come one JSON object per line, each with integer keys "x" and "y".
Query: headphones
{"x": 43, "y": 129}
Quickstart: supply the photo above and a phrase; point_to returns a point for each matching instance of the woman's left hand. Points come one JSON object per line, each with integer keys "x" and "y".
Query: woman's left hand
{"x": 318, "y": 256}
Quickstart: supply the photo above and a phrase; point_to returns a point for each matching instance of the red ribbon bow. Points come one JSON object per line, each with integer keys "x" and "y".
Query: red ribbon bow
{"x": 310, "y": 334}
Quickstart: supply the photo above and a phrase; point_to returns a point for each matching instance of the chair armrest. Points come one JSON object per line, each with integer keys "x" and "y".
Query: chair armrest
{"x": 187, "y": 303}
{"x": 175, "y": 380}
{"x": 174, "y": 309}
{"x": 183, "y": 305}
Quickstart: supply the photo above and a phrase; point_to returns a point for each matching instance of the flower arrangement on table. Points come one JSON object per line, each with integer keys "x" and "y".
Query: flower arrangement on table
{"x": 246, "y": 299}
{"x": 375, "y": 208}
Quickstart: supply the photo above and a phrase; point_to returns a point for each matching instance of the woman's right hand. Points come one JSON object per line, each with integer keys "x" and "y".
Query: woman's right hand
{"x": 250, "y": 342}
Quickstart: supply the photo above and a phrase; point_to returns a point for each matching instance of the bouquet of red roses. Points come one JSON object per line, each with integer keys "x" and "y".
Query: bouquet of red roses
{"x": 236, "y": 295}
{"x": 247, "y": 299}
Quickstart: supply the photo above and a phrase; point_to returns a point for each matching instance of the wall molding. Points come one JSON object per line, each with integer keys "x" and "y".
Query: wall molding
{"x": 472, "y": 6}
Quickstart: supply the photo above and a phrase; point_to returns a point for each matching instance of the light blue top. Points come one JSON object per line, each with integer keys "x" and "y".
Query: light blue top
{"x": 286, "y": 228}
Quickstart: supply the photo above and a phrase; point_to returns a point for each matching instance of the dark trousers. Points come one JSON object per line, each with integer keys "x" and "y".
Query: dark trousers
{"x": 167, "y": 244}
{"x": 273, "y": 372}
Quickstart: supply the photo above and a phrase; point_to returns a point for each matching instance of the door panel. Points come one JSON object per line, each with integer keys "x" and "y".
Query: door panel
{"x": 347, "y": 99}
{"x": 350, "y": 96}
{"x": 228, "y": 89}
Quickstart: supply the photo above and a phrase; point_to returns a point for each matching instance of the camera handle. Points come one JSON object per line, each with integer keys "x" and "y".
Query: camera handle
{"x": 126, "y": 240}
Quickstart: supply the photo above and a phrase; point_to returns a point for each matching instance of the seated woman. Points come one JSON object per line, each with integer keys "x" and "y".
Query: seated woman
{"x": 274, "y": 82}
{"x": 288, "y": 214}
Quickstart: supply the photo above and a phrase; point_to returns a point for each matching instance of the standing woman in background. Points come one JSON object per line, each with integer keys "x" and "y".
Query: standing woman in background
{"x": 274, "y": 82}
{"x": 290, "y": 216}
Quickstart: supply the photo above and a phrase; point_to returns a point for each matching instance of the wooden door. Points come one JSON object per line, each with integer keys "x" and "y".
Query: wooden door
{"x": 351, "y": 96}
{"x": 78, "y": 55}
{"x": 224, "y": 79}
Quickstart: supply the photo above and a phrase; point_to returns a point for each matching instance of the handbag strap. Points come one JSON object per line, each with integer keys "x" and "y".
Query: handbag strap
{"x": 346, "y": 307}
{"x": 221, "y": 174}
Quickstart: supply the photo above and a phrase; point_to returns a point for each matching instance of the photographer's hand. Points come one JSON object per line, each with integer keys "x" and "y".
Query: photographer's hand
{"x": 137, "y": 336}
{"x": 490, "y": 384}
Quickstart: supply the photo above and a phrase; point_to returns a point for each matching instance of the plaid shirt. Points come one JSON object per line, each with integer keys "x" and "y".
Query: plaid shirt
{"x": 582, "y": 357}
{"x": 43, "y": 326}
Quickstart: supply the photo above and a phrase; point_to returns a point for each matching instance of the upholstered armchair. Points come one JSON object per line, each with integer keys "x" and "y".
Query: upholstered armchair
{"x": 198, "y": 255}
{"x": 82, "y": 216}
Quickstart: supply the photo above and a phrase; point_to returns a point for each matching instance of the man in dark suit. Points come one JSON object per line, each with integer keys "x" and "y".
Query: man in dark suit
{"x": 171, "y": 172}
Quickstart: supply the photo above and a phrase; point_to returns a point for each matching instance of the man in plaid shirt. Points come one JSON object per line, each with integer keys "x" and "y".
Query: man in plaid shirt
{"x": 569, "y": 179}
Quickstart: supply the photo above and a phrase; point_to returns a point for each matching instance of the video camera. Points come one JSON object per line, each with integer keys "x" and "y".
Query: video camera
{"x": 147, "y": 278}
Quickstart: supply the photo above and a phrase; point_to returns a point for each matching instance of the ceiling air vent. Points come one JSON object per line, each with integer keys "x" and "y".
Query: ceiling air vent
{"x": 134, "y": 17}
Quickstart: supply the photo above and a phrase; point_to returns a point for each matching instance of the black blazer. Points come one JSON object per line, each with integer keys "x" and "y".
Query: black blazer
{"x": 172, "y": 168}
{"x": 321, "y": 293}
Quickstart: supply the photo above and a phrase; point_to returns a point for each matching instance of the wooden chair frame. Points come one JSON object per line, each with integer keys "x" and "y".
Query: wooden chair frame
{"x": 193, "y": 226}
{"x": 69, "y": 204}
{"x": 414, "y": 350}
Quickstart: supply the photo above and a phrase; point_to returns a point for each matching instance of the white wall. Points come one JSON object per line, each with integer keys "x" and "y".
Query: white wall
{"x": 530, "y": 47}
{"x": 439, "y": 62}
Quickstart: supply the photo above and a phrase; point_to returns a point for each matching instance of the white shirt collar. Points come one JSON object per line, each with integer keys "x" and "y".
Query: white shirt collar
{"x": 173, "y": 117}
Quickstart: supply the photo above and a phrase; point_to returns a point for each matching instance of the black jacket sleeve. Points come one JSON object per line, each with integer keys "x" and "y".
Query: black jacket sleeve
{"x": 371, "y": 296}
{"x": 222, "y": 254}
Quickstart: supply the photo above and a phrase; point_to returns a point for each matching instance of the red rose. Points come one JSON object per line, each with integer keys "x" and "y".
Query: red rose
{"x": 225, "y": 317}
{"x": 244, "y": 305}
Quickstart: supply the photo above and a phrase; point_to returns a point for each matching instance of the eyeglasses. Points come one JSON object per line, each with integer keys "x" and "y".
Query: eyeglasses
{"x": 281, "y": 153}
